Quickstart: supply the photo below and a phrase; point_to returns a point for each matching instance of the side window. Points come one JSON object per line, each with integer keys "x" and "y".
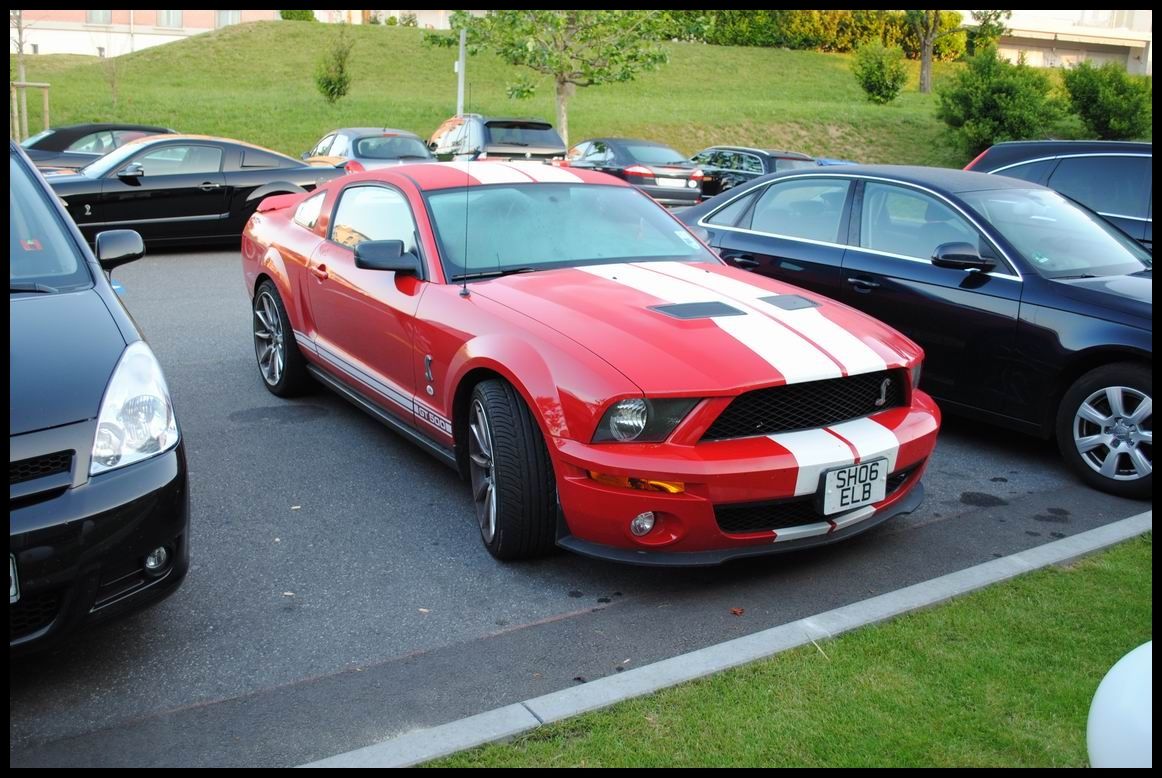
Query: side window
{"x": 578, "y": 151}
{"x": 599, "y": 153}
{"x": 180, "y": 160}
{"x": 373, "y": 213}
{"x": 729, "y": 216}
{"x": 1113, "y": 185}
{"x": 256, "y": 158}
{"x": 1029, "y": 171}
{"x": 808, "y": 208}
{"x": 323, "y": 147}
{"x": 94, "y": 143}
{"x": 910, "y": 223}
{"x": 451, "y": 141}
{"x": 701, "y": 158}
{"x": 307, "y": 214}
{"x": 750, "y": 163}
{"x": 341, "y": 147}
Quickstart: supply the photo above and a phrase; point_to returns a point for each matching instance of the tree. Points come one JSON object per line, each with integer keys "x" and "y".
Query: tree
{"x": 1112, "y": 104}
{"x": 19, "y": 27}
{"x": 929, "y": 27}
{"x": 990, "y": 27}
{"x": 332, "y": 76}
{"x": 574, "y": 48}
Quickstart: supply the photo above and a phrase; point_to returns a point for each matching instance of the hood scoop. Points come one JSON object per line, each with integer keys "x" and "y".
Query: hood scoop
{"x": 789, "y": 302}
{"x": 704, "y": 310}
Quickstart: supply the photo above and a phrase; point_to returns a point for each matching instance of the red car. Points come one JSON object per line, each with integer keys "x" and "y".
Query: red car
{"x": 605, "y": 382}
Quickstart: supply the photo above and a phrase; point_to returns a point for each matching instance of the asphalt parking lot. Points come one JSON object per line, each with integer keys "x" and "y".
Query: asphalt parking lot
{"x": 339, "y": 592}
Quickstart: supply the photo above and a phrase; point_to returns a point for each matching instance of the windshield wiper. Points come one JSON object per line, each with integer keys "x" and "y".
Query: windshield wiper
{"x": 34, "y": 288}
{"x": 493, "y": 273}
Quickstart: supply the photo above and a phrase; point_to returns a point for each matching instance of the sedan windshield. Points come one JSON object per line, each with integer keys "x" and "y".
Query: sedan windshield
{"x": 1059, "y": 239}
{"x": 391, "y": 147}
{"x": 491, "y": 230}
{"x": 44, "y": 257}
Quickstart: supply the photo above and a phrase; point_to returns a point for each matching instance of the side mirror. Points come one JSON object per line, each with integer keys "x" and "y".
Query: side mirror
{"x": 386, "y": 255}
{"x": 432, "y": 146}
{"x": 305, "y": 155}
{"x": 118, "y": 247}
{"x": 132, "y": 171}
{"x": 961, "y": 256}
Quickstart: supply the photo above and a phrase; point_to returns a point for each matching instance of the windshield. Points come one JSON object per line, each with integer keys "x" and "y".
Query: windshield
{"x": 522, "y": 134}
{"x": 1059, "y": 239}
{"x": 391, "y": 147}
{"x": 44, "y": 256}
{"x": 494, "y": 229}
{"x": 112, "y": 160}
{"x": 650, "y": 154}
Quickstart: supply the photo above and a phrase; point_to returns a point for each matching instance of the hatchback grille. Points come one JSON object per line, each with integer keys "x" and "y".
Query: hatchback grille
{"x": 39, "y": 467}
{"x": 32, "y": 614}
{"x": 764, "y": 517}
{"x": 808, "y": 405}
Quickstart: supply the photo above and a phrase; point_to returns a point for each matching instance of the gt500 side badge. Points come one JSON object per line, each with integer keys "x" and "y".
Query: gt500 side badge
{"x": 433, "y": 418}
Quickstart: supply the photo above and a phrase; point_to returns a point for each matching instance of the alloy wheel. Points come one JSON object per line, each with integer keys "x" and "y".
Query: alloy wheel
{"x": 480, "y": 465}
{"x": 269, "y": 339}
{"x": 1113, "y": 432}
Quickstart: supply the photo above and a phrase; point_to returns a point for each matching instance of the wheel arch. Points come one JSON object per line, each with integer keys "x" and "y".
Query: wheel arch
{"x": 1080, "y": 364}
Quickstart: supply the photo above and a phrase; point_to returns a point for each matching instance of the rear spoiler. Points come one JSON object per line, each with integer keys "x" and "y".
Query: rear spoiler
{"x": 278, "y": 202}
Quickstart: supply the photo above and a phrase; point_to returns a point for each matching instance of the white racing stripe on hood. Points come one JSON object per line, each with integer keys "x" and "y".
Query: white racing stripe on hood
{"x": 814, "y": 451}
{"x": 546, "y": 173}
{"x": 784, "y": 350}
{"x": 491, "y": 172}
{"x": 851, "y": 352}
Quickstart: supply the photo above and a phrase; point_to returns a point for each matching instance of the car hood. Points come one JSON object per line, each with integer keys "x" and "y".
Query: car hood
{"x": 1124, "y": 297}
{"x": 63, "y": 351}
{"x": 731, "y": 330}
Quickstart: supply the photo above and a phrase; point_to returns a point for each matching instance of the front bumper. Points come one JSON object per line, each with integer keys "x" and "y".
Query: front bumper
{"x": 79, "y": 554}
{"x": 747, "y": 474}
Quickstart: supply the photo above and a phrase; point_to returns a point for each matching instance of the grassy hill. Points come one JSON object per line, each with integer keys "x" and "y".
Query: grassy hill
{"x": 255, "y": 82}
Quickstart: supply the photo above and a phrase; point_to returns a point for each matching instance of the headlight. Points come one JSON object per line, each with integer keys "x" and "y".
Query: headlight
{"x": 641, "y": 420}
{"x": 916, "y": 375}
{"x": 136, "y": 419}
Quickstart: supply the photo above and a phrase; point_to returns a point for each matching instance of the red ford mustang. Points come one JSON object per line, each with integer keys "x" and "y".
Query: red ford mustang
{"x": 604, "y": 381}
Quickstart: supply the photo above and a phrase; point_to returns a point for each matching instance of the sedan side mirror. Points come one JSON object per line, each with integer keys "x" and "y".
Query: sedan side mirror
{"x": 961, "y": 256}
{"x": 386, "y": 255}
{"x": 118, "y": 247}
{"x": 132, "y": 171}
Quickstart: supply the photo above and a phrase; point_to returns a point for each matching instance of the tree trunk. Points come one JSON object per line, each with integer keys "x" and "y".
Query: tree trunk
{"x": 564, "y": 92}
{"x": 22, "y": 130}
{"x": 926, "y": 68}
{"x": 931, "y": 26}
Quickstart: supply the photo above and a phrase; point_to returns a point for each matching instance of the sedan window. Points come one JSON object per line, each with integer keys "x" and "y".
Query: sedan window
{"x": 903, "y": 221}
{"x": 373, "y": 213}
{"x": 808, "y": 208}
{"x": 729, "y": 216}
{"x": 1113, "y": 185}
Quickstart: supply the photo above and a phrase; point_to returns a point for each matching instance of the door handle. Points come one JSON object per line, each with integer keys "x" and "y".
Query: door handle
{"x": 209, "y": 186}
{"x": 863, "y": 284}
{"x": 745, "y": 261}
{"x": 320, "y": 272}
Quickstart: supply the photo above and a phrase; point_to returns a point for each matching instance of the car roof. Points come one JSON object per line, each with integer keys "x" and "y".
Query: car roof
{"x": 1010, "y": 152}
{"x": 769, "y": 152}
{"x": 432, "y": 176}
{"x": 98, "y": 126}
{"x": 153, "y": 139}
{"x": 360, "y": 131}
{"x": 949, "y": 180}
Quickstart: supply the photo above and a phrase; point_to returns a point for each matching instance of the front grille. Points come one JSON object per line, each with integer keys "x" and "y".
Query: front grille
{"x": 39, "y": 467}
{"x": 768, "y": 516}
{"x": 809, "y": 405}
{"x": 31, "y": 614}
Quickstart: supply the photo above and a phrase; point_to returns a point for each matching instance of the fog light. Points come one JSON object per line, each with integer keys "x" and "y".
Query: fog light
{"x": 157, "y": 560}
{"x": 642, "y": 523}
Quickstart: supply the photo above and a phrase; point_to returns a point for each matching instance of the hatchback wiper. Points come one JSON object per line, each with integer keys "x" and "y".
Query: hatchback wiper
{"x": 493, "y": 273}
{"x": 34, "y": 288}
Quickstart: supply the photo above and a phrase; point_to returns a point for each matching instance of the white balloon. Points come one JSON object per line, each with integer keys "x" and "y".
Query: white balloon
{"x": 1120, "y": 730}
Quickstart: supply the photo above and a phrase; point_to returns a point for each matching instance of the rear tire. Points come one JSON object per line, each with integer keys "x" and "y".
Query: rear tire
{"x": 1105, "y": 429}
{"x": 513, "y": 485}
{"x": 280, "y": 363}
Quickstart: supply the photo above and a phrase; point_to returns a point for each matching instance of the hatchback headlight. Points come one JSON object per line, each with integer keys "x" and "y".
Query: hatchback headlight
{"x": 642, "y": 421}
{"x": 136, "y": 420}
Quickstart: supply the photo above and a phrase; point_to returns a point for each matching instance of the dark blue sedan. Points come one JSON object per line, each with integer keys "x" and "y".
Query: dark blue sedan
{"x": 1034, "y": 312}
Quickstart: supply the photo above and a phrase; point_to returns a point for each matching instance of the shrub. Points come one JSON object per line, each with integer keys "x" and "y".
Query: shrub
{"x": 408, "y": 20}
{"x": 1112, "y": 104}
{"x": 373, "y": 18}
{"x": 993, "y": 100}
{"x": 391, "y": 21}
{"x": 297, "y": 15}
{"x": 880, "y": 71}
{"x": 332, "y": 76}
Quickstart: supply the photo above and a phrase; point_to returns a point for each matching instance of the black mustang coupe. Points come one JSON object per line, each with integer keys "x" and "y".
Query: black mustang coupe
{"x": 98, "y": 505}
{"x": 1034, "y": 313}
{"x": 181, "y": 188}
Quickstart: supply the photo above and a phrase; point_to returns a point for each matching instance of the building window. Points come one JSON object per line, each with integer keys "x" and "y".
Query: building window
{"x": 169, "y": 18}
{"x": 36, "y": 48}
{"x": 98, "y": 17}
{"x": 223, "y": 18}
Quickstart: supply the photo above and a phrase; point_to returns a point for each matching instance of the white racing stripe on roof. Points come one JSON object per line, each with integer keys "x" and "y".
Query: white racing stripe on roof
{"x": 491, "y": 172}
{"x": 814, "y": 451}
{"x": 792, "y": 356}
{"x": 546, "y": 173}
{"x": 851, "y": 352}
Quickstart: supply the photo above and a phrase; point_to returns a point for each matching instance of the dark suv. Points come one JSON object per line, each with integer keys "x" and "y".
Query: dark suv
{"x": 472, "y": 136}
{"x": 1111, "y": 177}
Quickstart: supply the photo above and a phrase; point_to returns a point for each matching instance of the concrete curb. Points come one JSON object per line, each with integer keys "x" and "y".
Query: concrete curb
{"x": 426, "y": 744}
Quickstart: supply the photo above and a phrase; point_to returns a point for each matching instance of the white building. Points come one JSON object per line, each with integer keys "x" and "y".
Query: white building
{"x": 1056, "y": 38}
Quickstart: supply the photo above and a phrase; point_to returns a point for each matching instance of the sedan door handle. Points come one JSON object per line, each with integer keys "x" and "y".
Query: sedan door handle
{"x": 863, "y": 284}
{"x": 745, "y": 261}
{"x": 209, "y": 186}
{"x": 320, "y": 272}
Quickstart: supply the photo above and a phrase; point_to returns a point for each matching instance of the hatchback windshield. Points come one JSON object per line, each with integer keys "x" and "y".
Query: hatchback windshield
{"x": 489, "y": 230}
{"x": 44, "y": 257}
{"x": 504, "y": 133}
{"x": 391, "y": 147}
{"x": 1057, "y": 238}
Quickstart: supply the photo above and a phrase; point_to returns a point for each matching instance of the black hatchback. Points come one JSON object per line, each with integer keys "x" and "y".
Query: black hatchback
{"x": 98, "y": 500}
{"x": 1034, "y": 313}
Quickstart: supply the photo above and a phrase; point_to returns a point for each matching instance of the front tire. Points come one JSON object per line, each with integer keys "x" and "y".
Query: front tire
{"x": 1105, "y": 429}
{"x": 281, "y": 365}
{"x": 513, "y": 485}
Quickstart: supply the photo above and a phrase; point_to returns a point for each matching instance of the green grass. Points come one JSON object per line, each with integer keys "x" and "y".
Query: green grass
{"x": 256, "y": 82}
{"x": 1000, "y": 678}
